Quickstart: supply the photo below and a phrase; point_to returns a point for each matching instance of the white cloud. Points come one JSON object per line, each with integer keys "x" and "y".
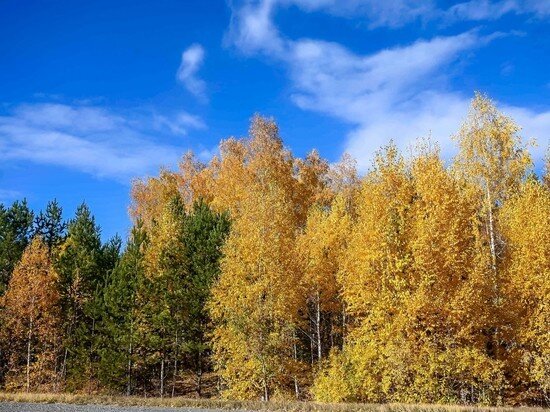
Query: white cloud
{"x": 396, "y": 93}
{"x": 90, "y": 139}
{"x": 191, "y": 61}
{"x": 331, "y": 79}
{"x": 401, "y": 93}
{"x": 63, "y": 117}
{"x": 252, "y": 20}
{"x": 180, "y": 123}
{"x": 252, "y": 29}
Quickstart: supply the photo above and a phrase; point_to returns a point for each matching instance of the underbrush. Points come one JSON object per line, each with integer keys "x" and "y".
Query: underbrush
{"x": 285, "y": 406}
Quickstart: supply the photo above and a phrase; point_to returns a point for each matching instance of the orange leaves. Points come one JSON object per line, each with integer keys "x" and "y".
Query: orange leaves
{"x": 32, "y": 319}
{"x": 32, "y": 292}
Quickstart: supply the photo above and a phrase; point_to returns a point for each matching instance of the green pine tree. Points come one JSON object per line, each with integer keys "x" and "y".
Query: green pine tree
{"x": 182, "y": 262}
{"x": 82, "y": 277}
{"x": 49, "y": 225}
{"x": 15, "y": 234}
{"x": 204, "y": 235}
{"x": 118, "y": 327}
{"x": 162, "y": 299}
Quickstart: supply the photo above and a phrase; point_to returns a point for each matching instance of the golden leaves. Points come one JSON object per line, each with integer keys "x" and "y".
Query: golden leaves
{"x": 418, "y": 282}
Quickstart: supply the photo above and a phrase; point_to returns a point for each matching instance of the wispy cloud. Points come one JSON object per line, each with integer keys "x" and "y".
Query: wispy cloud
{"x": 91, "y": 139}
{"x": 191, "y": 61}
{"x": 254, "y": 16}
{"x": 401, "y": 93}
{"x": 478, "y": 10}
{"x": 7, "y": 196}
{"x": 252, "y": 29}
{"x": 394, "y": 14}
{"x": 180, "y": 123}
{"x": 398, "y": 93}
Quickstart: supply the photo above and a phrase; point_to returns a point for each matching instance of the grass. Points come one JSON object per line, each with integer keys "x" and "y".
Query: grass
{"x": 243, "y": 405}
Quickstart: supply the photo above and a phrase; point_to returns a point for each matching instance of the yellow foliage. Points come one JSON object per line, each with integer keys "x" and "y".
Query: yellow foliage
{"x": 418, "y": 282}
{"x": 411, "y": 285}
{"x": 525, "y": 221}
{"x": 254, "y": 305}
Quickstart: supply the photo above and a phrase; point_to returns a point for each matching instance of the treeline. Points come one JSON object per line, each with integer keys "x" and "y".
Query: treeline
{"x": 420, "y": 281}
{"x": 78, "y": 315}
{"x": 51, "y": 271}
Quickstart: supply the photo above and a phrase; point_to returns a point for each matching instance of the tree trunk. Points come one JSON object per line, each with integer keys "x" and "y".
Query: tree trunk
{"x": 29, "y": 343}
{"x": 199, "y": 374}
{"x": 331, "y": 331}
{"x": 295, "y": 354}
{"x": 492, "y": 241}
{"x": 495, "y": 280}
{"x": 266, "y": 392}
{"x": 64, "y": 366}
{"x": 91, "y": 352}
{"x": 312, "y": 340}
{"x": 162, "y": 377}
{"x": 129, "y": 370}
{"x": 264, "y": 383}
{"x": 175, "y": 365}
{"x": 318, "y": 326}
{"x": 343, "y": 325}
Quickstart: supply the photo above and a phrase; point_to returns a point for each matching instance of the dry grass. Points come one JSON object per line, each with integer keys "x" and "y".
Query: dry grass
{"x": 243, "y": 405}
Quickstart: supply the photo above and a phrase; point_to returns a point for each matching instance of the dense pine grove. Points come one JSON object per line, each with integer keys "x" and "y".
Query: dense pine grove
{"x": 264, "y": 276}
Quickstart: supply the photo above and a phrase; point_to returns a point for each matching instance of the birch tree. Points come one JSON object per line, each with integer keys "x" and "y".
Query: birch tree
{"x": 494, "y": 160}
{"x": 320, "y": 249}
{"x": 254, "y": 304}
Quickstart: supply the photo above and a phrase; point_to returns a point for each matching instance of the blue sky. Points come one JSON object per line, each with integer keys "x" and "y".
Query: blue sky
{"x": 96, "y": 93}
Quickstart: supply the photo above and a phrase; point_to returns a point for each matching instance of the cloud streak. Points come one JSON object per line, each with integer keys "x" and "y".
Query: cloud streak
{"x": 178, "y": 124}
{"x": 90, "y": 139}
{"x": 9, "y": 195}
{"x": 393, "y": 14}
{"x": 397, "y": 13}
{"x": 478, "y": 10}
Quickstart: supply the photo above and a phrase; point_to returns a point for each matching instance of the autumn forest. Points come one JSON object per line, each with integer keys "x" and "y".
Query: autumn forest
{"x": 260, "y": 275}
